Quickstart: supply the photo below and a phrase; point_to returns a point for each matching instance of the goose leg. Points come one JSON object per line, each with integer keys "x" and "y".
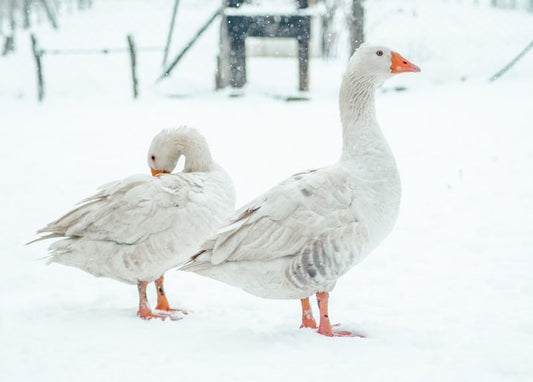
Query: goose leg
{"x": 144, "y": 311}
{"x": 325, "y": 325}
{"x": 308, "y": 321}
{"x": 162, "y": 302}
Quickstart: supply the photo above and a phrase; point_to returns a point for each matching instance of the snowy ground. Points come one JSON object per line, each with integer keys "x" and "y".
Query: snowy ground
{"x": 447, "y": 297}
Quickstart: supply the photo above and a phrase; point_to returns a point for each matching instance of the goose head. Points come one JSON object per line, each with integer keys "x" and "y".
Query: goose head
{"x": 368, "y": 67}
{"x": 379, "y": 63}
{"x": 169, "y": 145}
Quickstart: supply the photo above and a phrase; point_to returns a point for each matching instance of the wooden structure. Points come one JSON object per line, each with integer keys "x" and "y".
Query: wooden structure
{"x": 235, "y": 28}
{"x": 39, "y": 53}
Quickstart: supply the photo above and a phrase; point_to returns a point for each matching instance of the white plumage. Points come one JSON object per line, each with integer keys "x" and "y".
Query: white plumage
{"x": 135, "y": 229}
{"x": 302, "y": 235}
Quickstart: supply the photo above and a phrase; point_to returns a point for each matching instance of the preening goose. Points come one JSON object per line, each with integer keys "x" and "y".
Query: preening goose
{"x": 134, "y": 230}
{"x": 299, "y": 237}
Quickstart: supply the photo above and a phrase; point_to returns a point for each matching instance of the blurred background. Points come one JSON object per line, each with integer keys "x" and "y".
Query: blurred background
{"x": 184, "y": 47}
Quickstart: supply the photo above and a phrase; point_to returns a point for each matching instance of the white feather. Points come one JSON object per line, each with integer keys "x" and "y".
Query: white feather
{"x": 139, "y": 227}
{"x": 303, "y": 234}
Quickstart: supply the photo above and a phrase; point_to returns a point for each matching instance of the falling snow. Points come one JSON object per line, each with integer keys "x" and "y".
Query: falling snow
{"x": 447, "y": 297}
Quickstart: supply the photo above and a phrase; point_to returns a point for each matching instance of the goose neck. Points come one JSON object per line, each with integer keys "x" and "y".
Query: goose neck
{"x": 197, "y": 160}
{"x": 357, "y": 112}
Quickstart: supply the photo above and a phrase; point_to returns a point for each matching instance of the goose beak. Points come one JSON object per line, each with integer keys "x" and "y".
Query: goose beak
{"x": 158, "y": 172}
{"x": 401, "y": 65}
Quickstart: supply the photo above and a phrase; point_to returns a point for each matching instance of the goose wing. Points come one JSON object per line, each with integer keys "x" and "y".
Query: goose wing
{"x": 131, "y": 210}
{"x": 283, "y": 220}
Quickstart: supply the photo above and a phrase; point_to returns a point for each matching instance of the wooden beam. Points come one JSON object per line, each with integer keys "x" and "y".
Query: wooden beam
{"x": 188, "y": 46}
{"x": 513, "y": 61}
{"x": 170, "y": 31}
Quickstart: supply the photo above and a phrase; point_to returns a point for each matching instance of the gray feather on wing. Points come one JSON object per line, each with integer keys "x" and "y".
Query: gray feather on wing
{"x": 280, "y": 222}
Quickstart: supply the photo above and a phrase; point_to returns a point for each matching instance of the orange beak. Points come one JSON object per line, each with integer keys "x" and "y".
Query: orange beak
{"x": 158, "y": 172}
{"x": 401, "y": 65}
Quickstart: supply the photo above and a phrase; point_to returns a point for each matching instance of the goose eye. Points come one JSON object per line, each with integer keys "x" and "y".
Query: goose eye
{"x": 153, "y": 157}
{"x": 379, "y": 53}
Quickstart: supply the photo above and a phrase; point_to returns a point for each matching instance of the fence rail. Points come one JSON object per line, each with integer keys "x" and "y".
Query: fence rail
{"x": 39, "y": 53}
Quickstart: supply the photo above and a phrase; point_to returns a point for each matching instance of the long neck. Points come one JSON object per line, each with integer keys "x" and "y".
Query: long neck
{"x": 358, "y": 115}
{"x": 197, "y": 158}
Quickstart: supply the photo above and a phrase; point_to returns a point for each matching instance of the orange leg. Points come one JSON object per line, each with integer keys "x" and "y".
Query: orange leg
{"x": 325, "y": 325}
{"x": 308, "y": 321}
{"x": 162, "y": 302}
{"x": 144, "y": 308}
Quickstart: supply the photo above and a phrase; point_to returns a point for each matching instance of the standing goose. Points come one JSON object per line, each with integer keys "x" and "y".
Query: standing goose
{"x": 134, "y": 230}
{"x": 299, "y": 237}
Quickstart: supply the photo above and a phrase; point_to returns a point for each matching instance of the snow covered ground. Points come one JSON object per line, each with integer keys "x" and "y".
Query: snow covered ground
{"x": 447, "y": 297}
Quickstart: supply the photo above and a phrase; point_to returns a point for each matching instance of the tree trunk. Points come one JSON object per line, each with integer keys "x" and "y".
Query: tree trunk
{"x": 357, "y": 25}
{"x": 12, "y": 23}
{"x": 49, "y": 13}
{"x": 26, "y": 12}
{"x": 2, "y": 14}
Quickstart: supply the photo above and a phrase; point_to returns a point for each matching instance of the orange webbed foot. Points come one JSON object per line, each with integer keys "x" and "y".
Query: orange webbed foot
{"x": 162, "y": 302}
{"x": 163, "y": 307}
{"x": 325, "y": 328}
{"x": 308, "y": 321}
{"x": 172, "y": 313}
{"x": 147, "y": 314}
{"x": 328, "y": 330}
{"x": 343, "y": 333}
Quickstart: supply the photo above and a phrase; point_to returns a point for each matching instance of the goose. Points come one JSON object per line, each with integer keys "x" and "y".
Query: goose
{"x": 299, "y": 237}
{"x": 134, "y": 230}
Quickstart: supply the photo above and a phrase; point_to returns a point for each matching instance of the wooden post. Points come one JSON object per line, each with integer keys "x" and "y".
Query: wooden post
{"x": 237, "y": 60}
{"x": 37, "y": 54}
{"x": 170, "y": 31}
{"x": 222, "y": 73}
{"x": 303, "y": 63}
{"x": 357, "y": 28}
{"x": 9, "y": 45}
{"x": 133, "y": 59}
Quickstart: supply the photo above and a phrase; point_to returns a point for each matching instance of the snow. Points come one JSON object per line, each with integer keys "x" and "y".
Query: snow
{"x": 447, "y": 297}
